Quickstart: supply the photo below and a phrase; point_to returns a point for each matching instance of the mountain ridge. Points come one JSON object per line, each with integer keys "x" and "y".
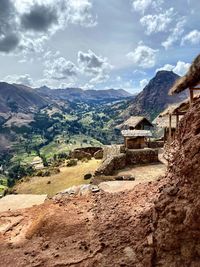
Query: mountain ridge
{"x": 19, "y": 98}
{"x": 78, "y": 94}
{"x": 154, "y": 97}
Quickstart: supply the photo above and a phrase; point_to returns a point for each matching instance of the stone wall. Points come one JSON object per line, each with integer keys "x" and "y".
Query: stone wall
{"x": 156, "y": 144}
{"x": 130, "y": 157}
{"x": 141, "y": 156}
{"x": 111, "y": 151}
{"x": 87, "y": 152}
{"x": 110, "y": 164}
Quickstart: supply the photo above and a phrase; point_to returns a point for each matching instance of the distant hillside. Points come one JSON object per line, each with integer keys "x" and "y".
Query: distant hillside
{"x": 80, "y": 95}
{"x": 154, "y": 97}
{"x": 18, "y": 98}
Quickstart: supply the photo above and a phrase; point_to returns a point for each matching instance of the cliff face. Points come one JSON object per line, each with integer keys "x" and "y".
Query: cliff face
{"x": 177, "y": 210}
{"x": 154, "y": 98}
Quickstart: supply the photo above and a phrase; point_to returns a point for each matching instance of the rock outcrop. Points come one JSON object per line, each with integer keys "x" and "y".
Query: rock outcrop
{"x": 176, "y": 214}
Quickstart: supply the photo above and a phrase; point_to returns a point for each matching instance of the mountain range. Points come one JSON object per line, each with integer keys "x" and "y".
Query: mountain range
{"x": 39, "y": 116}
{"x": 19, "y": 99}
{"x": 149, "y": 102}
{"x": 80, "y": 95}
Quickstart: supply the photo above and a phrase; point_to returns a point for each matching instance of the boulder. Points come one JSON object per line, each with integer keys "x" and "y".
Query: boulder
{"x": 79, "y": 154}
{"x": 87, "y": 176}
{"x": 98, "y": 154}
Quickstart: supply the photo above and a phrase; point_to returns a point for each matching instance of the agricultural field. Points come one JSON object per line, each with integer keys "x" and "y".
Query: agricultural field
{"x": 65, "y": 144}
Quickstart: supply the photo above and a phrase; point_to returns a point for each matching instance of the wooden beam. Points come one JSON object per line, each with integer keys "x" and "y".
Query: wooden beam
{"x": 170, "y": 128}
{"x": 191, "y": 95}
{"x": 179, "y": 113}
{"x": 195, "y": 89}
{"x": 126, "y": 142}
{"x": 164, "y": 135}
{"x": 177, "y": 120}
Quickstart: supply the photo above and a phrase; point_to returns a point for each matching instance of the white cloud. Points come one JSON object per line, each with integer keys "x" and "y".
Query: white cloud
{"x": 118, "y": 79}
{"x": 60, "y": 69}
{"x": 87, "y": 86}
{"x": 143, "y": 5}
{"x": 168, "y": 67}
{"x": 26, "y": 24}
{"x": 180, "y": 68}
{"x": 66, "y": 85}
{"x": 143, "y": 56}
{"x": 79, "y": 12}
{"x": 143, "y": 83}
{"x": 19, "y": 79}
{"x": 175, "y": 34}
{"x": 157, "y": 23}
{"x": 192, "y": 37}
{"x": 92, "y": 65}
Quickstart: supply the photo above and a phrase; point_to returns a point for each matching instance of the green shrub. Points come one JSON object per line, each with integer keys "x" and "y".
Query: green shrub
{"x": 72, "y": 162}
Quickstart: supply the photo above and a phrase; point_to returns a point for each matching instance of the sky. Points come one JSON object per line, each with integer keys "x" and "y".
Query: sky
{"x": 96, "y": 44}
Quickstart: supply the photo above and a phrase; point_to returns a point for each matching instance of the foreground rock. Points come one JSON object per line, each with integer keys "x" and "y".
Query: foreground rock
{"x": 176, "y": 214}
{"x": 90, "y": 230}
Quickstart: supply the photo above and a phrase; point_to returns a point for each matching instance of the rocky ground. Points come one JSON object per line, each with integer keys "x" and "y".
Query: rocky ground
{"x": 154, "y": 224}
{"x": 98, "y": 229}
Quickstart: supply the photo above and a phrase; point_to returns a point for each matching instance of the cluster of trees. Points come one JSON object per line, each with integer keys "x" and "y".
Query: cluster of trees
{"x": 18, "y": 171}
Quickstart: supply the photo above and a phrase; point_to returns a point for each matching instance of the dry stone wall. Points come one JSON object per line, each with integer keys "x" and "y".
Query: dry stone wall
{"x": 130, "y": 157}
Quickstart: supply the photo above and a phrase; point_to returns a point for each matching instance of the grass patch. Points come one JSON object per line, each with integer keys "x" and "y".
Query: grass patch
{"x": 68, "y": 176}
{"x": 2, "y": 189}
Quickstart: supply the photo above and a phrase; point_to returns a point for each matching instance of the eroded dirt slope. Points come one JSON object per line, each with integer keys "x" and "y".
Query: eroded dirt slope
{"x": 155, "y": 224}
{"x": 94, "y": 230}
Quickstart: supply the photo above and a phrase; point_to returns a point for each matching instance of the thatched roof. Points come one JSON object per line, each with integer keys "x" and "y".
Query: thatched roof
{"x": 179, "y": 108}
{"x": 136, "y": 133}
{"x": 163, "y": 122}
{"x": 191, "y": 79}
{"x": 134, "y": 121}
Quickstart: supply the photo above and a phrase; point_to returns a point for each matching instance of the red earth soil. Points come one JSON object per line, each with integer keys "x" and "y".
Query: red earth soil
{"x": 155, "y": 224}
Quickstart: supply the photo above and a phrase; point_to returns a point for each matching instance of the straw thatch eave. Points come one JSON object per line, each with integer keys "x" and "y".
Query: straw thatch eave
{"x": 179, "y": 108}
{"x": 190, "y": 80}
{"x": 136, "y": 133}
{"x": 163, "y": 122}
{"x": 134, "y": 121}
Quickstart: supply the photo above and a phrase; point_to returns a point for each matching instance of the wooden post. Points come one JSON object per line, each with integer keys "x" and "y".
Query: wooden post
{"x": 164, "y": 135}
{"x": 126, "y": 142}
{"x": 191, "y": 95}
{"x": 177, "y": 120}
{"x": 170, "y": 128}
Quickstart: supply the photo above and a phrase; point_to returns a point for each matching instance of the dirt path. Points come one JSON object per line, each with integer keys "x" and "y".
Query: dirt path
{"x": 14, "y": 202}
{"x": 142, "y": 174}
